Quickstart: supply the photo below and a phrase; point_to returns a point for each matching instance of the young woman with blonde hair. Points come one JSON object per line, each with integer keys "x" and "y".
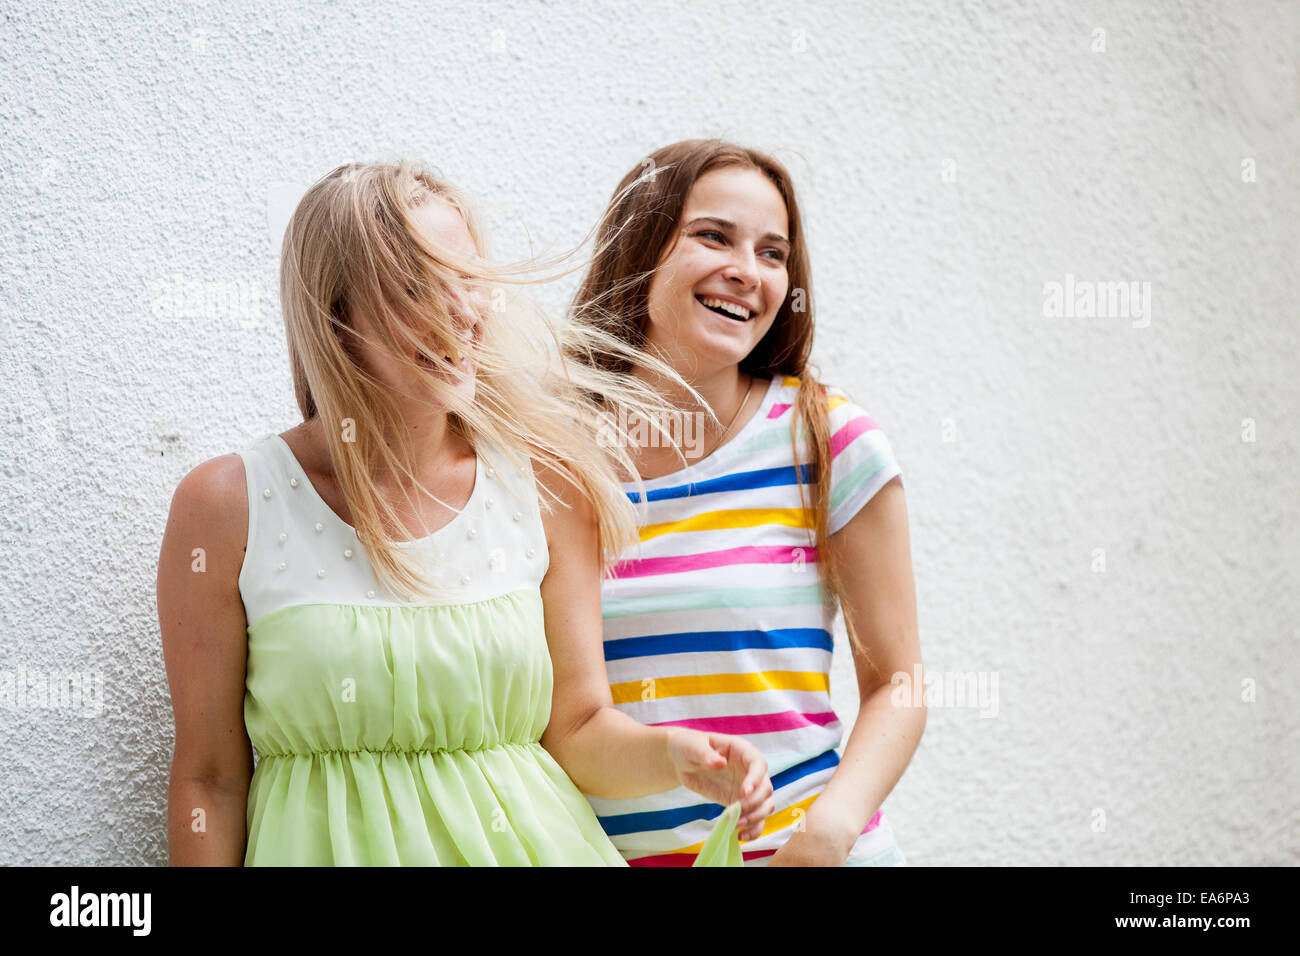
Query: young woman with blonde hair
{"x": 395, "y": 604}
{"x": 792, "y": 502}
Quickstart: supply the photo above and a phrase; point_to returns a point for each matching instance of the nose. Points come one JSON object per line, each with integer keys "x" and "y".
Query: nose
{"x": 468, "y": 311}
{"x": 742, "y": 267}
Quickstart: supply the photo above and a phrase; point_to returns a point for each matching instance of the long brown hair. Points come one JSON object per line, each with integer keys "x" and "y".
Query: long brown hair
{"x": 636, "y": 233}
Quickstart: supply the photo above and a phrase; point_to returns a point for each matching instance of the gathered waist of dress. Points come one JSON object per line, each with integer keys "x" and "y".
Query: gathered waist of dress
{"x": 406, "y": 751}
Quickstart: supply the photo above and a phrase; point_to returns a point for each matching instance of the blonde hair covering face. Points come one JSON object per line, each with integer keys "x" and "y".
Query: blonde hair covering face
{"x": 542, "y": 392}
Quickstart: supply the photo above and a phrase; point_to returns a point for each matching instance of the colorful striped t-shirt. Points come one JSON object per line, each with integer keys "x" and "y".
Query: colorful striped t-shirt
{"x": 719, "y": 625}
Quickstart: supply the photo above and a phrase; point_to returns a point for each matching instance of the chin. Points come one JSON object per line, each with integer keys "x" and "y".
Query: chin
{"x": 466, "y": 388}
{"x": 721, "y": 355}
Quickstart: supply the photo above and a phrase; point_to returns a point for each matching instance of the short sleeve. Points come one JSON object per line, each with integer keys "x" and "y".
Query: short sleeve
{"x": 862, "y": 460}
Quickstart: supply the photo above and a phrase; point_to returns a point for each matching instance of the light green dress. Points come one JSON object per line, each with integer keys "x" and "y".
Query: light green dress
{"x": 391, "y": 734}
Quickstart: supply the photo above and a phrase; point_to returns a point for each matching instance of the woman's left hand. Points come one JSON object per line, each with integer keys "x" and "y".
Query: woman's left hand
{"x": 812, "y": 846}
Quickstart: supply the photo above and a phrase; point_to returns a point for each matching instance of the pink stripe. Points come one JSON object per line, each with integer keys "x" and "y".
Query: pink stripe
{"x": 753, "y": 723}
{"x": 863, "y": 423}
{"x": 778, "y": 410}
{"x": 666, "y": 859}
{"x": 688, "y": 859}
{"x": 672, "y": 564}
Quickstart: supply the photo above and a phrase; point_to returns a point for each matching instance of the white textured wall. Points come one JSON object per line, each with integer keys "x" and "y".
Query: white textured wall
{"x": 950, "y": 161}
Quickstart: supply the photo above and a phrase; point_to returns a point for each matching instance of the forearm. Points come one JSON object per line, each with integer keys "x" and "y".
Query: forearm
{"x": 879, "y": 748}
{"x": 613, "y": 756}
{"x": 206, "y": 823}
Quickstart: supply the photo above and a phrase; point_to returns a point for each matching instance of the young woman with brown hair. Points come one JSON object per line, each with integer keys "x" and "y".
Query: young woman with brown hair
{"x": 721, "y": 620}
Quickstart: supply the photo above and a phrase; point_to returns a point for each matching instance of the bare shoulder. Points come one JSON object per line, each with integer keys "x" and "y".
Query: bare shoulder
{"x": 551, "y": 479}
{"x": 216, "y": 491}
{"x": 571, "y": 513}
{"x": 209, "y": 510}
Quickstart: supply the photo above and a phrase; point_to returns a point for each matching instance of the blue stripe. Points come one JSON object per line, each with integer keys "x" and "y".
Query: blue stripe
{"x": 740, "y": 481}
{"x": 690, "y": 641}
{"x": 623, "y": 823}
{"x": 658, "y": 819}
{"x": 829, "y": 759}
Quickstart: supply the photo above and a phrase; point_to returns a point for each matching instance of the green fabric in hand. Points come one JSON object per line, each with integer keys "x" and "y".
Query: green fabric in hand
{"x": 722, "y": 848}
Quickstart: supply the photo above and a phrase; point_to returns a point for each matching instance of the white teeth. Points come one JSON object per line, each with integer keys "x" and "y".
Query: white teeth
{"x": 736, "y": 310}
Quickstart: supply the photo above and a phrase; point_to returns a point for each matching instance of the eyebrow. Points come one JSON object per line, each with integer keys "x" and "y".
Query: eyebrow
{"x": 727, "y": 224}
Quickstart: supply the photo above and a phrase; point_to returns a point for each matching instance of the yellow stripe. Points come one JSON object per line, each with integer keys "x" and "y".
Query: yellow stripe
{"x": 658, "y": 688}
{"x": 734, "y": 518}
{"x": 777, "y": 821}
{"x": 834, "y": 402}
{"x": 790, "y": 381}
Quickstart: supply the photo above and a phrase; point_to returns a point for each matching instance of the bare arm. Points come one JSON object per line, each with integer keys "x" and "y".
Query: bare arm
{"x": 879, "y": 602}
{"x": 204, "y": 639}
{"x": 604, "y": 751}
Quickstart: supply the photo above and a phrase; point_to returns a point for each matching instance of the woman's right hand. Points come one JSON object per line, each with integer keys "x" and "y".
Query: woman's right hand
{"x": 725, "y": 769}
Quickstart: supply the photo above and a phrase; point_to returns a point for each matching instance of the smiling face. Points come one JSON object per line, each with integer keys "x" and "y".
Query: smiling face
{"x": 444, "y": 226}
{"x": 718, "y": 289}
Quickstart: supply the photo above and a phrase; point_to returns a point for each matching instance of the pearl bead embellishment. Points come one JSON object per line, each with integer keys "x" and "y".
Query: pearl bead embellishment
{"x": 468, "y": 555}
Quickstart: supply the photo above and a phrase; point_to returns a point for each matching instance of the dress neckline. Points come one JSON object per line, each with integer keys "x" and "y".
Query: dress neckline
{"x": 458, "y": 518}
{"x": 725, "y": 451}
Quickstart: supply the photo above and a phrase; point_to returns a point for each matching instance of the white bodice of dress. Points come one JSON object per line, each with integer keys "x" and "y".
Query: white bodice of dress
{"x": 301, "y": 552}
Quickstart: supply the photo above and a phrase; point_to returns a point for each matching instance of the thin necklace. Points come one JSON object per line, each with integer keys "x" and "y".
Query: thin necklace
{"x": 743, "y": 402}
